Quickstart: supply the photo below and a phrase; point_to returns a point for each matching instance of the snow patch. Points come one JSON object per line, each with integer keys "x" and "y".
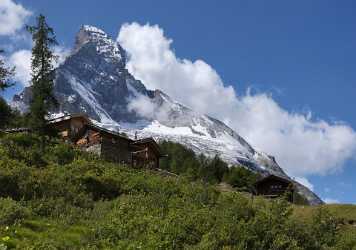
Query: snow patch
{"x": 88, "y": 95}
{"x": 93, "y": 29}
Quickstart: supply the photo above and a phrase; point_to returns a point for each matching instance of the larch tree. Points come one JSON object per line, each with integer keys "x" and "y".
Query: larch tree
{"x": 42, "y": 77}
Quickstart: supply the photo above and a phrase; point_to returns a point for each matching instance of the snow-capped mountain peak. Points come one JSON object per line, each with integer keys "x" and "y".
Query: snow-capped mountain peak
{"x": 103, "y": 43}
{"x": 94, "y": 80}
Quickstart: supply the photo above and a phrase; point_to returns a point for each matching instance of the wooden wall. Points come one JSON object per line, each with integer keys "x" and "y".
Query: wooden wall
{"x": 147, "y": 158}
{"x": 69, "y": 128}
{"x": 110, "y": 147}
{"x": 115, "y": 149}
{"x": 273, "y": 187}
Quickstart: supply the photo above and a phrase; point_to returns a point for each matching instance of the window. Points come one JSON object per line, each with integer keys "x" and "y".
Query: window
{"x": 276, "y": 187}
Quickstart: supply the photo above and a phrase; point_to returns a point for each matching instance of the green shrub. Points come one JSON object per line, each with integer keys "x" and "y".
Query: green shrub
{"x": 23, "y": 147}
{"x": 346, "y": 240}
{"x": 11, "y": 174}
{"x": 5, "y": 113}
{"x": 101, "y": 188}
{"x": 23, "y": 140}
{"x": 324, "y": 227}
{"x": 184, "y": 161}
{"x": 12, "y": 211}
{"x": 240, "y": 177}
{"x": 61, "y": 154}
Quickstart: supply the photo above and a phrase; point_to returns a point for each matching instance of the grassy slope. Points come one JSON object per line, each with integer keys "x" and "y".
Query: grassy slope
{"x": 64, "y": 199}
{"x": 345, "y": 212}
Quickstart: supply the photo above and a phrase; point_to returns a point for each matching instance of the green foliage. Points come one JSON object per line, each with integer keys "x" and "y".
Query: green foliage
{"x": 5, "y": 82}
{"x": 11, "y": 211}
{"x": 24, "y": 147}
{"x": 324, "y": 227}
{"x": 183, "y": 161}
{"x": 42, "y": 77}
{"x": 19, "y": 120}
{"x": 5, "y": 113}
{"x": 5, "y": 75}
{"x": 86, "y": 203}
{"x": 346, "y": 240}
{"x": 180, "y": 159}
{"x": 11, "y": 118}
{"x": 213, "y": 170}
{"x": 241, "y": 178}
{"x": 61, "y": 154}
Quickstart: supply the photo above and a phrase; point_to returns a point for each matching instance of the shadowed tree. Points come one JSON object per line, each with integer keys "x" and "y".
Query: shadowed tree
{"x": 5, "y": 74}
{"x": 5, "y": 82}
{"x": 42, "y": 77}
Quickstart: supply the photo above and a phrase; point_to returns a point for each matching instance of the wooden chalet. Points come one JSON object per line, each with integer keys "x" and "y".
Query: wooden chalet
{"x": 70, "y": 126}
{"x": 110, "y": 145}
{"x": 145, "y": 152}
{"x": 273, "y": 186}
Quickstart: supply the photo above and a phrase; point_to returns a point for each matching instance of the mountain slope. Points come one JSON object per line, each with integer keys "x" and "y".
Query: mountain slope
{"x": 94, "y": 80}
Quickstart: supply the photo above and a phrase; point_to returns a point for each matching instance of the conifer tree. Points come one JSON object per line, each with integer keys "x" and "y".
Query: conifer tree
{"x": 42, "y": 77}
{"x": 5, "y": 75}
{"x": 5, "y": 82}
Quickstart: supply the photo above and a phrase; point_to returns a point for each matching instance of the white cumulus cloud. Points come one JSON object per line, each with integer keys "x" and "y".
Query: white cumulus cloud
{"x": 143, "y": 106}
{"x": 12, "y": 17}
{"x": 331, "y": 201}
{"x": 301, "y": 144}
{"x": 22, "y": 61}
{"x": 305, "y": 182}
{"x": 62, "y": 53}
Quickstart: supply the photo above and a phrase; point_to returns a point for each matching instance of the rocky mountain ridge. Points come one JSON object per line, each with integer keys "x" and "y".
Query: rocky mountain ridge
{"x": 94, "y": 80}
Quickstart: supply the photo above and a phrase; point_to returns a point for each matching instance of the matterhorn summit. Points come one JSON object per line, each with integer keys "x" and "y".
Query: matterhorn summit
{"x": 94, "y": 80}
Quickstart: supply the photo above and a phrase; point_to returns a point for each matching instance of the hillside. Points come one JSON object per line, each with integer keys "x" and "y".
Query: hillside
{"x": 94, "y": 80}
{"x": 66, "y": 199}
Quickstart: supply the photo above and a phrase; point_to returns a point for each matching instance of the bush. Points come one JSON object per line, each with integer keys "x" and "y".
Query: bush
{"x": 61, "y": 154}
{"x": 324, "y": 228}
{"x": 346, "y": 240}
{"x": 5, "y": 113}
{"x": 240, "y": 177}
{"x": 184, "y": 161}
{"x": 22, "y": 140}
{"x": 11, "y": 174}
{"x": 101, "y": 188}
{"x": 11, "y": 211}
{"x": 23, "y": 147}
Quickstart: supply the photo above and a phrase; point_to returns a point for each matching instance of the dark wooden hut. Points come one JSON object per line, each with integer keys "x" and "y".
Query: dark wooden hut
{"x": 273, "y": 186}
{"x": 109, "y": 145}
{"x": 70, "y": 126}
{"x": 145, "y": 152}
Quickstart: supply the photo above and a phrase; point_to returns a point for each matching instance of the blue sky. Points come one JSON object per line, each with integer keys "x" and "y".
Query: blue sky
{"x": 303, "y": 53}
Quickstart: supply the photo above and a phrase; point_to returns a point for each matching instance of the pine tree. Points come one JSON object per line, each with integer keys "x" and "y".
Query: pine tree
{"x": 5, "y": 82}
{"x": 5, "y": 75}
{"x": 42, "y": 77}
